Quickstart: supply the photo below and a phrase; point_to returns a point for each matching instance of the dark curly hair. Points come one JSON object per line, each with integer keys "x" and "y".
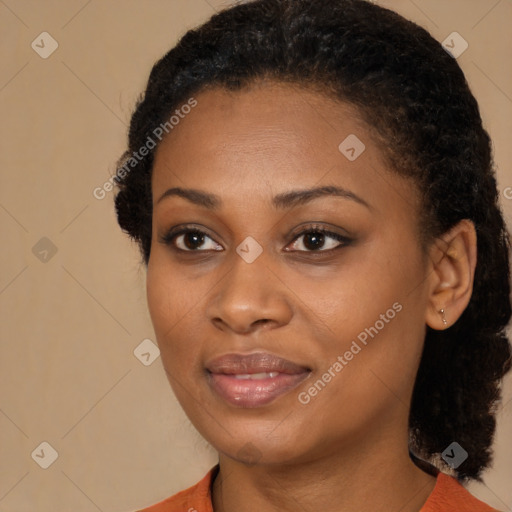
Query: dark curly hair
{"x": 415, "y": 99}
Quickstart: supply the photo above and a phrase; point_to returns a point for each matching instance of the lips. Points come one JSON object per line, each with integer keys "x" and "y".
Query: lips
{"x": 253, "y": 380}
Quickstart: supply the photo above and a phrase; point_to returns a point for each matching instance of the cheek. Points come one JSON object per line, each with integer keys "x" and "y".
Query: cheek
{"x": 377, "y": 299}
{"x": 170, "y": 293}
{"x": 389, "y": 328}
{"x": 159, "y": 297}
{"x": 171, "y": 304}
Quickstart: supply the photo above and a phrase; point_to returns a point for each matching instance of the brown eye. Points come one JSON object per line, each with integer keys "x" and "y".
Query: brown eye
{"x": 189, "y": 240}
{"x": 319, "y": 240}
{"x": 193, "y": 240}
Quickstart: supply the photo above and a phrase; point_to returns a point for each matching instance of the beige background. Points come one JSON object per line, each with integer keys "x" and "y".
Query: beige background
{"x": 70, "y": 324}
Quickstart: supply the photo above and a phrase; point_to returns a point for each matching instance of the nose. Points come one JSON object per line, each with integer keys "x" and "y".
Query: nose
{"x": 249, "y": 297}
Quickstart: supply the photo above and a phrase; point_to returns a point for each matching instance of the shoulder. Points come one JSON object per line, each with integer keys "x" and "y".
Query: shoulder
{"x": 449, "y": 494}
{"x": 194, "y": 499}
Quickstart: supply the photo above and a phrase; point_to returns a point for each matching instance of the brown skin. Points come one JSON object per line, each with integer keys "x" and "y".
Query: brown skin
{"x": 347, "y": 449}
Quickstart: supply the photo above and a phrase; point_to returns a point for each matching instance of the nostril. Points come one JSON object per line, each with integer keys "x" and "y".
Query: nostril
{"x": 262, "y": 321}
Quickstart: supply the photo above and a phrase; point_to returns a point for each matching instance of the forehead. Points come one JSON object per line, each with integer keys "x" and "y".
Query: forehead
{"x": 283, "y": 111}
{"x": 270, "y": 134}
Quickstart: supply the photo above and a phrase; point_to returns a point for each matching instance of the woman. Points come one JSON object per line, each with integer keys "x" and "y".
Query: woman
{"x": 327, "y": 265}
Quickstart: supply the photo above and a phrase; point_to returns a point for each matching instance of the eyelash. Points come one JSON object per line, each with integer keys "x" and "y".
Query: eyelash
{"x": 169, "y": 238}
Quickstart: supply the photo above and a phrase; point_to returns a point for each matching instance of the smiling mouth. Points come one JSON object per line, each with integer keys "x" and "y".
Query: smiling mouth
{"x": 253, "y": 380}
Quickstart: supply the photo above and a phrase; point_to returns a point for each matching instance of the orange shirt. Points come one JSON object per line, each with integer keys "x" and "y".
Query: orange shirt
{"x": 447, "y": 496}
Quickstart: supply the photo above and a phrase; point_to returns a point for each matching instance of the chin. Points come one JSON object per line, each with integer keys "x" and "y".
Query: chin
{"x": 252, "y": 445}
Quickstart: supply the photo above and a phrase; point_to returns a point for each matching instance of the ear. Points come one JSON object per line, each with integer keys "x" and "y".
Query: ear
{"x": 453, "y": 261}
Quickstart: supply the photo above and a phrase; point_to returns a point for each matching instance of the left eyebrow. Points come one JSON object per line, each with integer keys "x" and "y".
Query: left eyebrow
{"x": 297, "y": 197}
{"x": 280, "y": 201}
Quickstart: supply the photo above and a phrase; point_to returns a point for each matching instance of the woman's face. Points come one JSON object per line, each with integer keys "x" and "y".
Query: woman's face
{"x": 292, "y": 325}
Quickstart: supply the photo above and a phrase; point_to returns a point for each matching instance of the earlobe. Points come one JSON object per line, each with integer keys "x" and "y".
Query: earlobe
{"x": 453, "y": 259}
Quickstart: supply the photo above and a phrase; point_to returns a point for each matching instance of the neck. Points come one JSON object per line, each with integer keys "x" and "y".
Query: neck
{"x": 368, "y": 478}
